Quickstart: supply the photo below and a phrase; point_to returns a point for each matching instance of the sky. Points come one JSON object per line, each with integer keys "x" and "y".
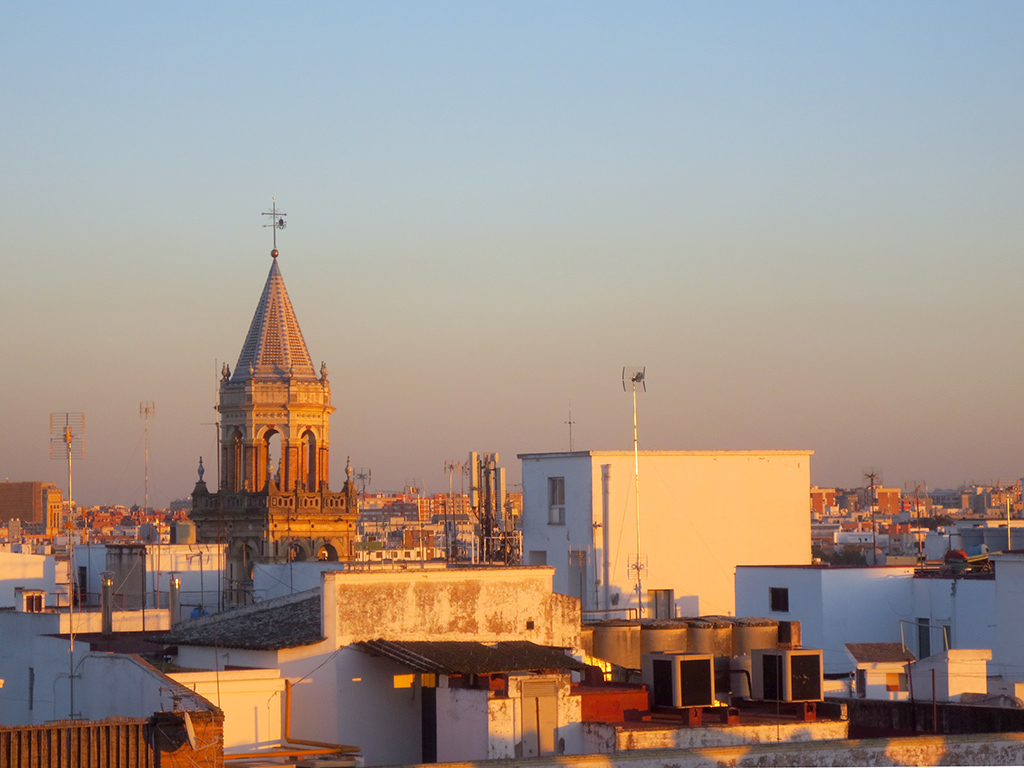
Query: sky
{"x": 804, "y": 220}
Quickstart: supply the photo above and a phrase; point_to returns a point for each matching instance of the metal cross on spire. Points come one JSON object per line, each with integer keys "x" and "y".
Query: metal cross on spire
{"x": 276, "y": 222}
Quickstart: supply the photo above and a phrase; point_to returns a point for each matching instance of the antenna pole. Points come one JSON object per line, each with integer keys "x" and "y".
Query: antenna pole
{"x": 636, "y": 481}
{"x": 637, "y": 376}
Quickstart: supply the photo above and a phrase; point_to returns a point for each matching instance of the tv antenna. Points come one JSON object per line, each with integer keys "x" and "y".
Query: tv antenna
{"x": 363, "y": 476}
{"x": 631, "y": 378}
{"x": 874, "y": 478}
{"x": 147, "y": 411}
{"x": 276, "y": 222}
{"x": 67, "y": 441}
{"x": 570, "y": 422}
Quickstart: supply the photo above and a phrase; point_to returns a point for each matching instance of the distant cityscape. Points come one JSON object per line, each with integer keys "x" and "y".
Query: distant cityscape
{"x": 684, "y": 602}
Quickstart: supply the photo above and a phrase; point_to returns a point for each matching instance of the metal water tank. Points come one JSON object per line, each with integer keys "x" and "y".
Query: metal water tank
{"x": 753, "y": 632}
{"x": 663, "y": 635}
{"x": 618, "y": 641}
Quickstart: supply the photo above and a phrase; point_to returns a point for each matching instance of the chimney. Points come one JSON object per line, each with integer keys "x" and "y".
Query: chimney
{"x": 175, "y": 599}
{"x": 107, "y": 602}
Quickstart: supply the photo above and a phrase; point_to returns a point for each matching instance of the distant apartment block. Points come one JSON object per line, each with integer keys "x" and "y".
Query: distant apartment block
{"x": 32, "y": 502}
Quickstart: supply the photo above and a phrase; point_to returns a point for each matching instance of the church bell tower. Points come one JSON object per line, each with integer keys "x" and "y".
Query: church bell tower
{"x": 273, "y": 503}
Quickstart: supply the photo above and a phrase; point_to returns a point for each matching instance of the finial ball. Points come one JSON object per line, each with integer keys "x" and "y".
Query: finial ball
{"x": 274, "y": 253}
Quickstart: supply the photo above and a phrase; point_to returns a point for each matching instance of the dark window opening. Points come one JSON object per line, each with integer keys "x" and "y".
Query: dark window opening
{"x": 778, "y": 599}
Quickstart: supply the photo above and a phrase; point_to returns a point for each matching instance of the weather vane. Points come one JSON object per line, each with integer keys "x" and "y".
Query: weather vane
{"x": 277, "y": 222}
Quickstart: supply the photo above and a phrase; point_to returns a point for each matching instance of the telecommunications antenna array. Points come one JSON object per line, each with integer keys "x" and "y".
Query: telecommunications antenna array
{"x": 67, "y": 436}
{"x": 633, "y": 378}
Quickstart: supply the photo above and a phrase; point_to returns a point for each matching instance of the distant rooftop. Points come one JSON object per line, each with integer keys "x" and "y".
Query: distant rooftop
{"x": 879, "y": 653}
{"x": 284, "y": 622}
{"x": 449, "y": 657}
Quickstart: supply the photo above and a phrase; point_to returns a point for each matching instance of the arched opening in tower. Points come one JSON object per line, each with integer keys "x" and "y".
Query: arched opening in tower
{"x": 233, "y": 462}
{"x": 327, "y": 552}
{"x": 309, "y": 459}
{"x": 272, "y": 450}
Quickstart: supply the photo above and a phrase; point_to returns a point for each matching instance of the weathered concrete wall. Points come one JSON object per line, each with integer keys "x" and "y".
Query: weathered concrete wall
{"x": 887, "y": 718}
{"x": 603, "y": 737}
{"x": 1005, "y": 749}
{"x": 485, "y": 605}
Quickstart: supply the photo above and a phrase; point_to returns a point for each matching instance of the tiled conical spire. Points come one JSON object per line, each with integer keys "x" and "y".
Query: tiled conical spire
{"x": 274, "y": 347}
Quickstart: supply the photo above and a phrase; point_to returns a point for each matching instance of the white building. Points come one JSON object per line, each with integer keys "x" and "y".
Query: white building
{"x": 148, "y": 568}
{"x": 839, "y": 605}
{"x": 702, "y": 513}
{"x": 409, "y": 666}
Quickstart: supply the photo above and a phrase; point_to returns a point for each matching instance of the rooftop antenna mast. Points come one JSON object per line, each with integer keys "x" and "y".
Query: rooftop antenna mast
{"x": 363, "y": 475}
{"x": 276, "y": 222}
{"x": 147, "y": 411}
{"x": 872, "y": 475}
{"x": 631, "y": 377}
{"x": 67, "y": 441}
{"x": 570, "y": 422}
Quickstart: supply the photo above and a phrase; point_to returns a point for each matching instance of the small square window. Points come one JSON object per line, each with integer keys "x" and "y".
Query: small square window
{"x": 778, "y": 599}
{"x": 895, "y": 682}
{"x": 556, "y": 501}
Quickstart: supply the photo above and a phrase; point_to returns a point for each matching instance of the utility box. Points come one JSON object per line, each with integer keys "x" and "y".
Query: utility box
{"x": 679, "y": 679}
{"x": 787, "y": 675}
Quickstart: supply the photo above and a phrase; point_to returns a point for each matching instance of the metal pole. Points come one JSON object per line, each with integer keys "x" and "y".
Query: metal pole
{"x": 636, "y": 480}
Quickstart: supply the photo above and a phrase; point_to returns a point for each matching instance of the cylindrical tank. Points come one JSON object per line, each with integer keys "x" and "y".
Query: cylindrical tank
{"x": 753, "y": 632}
{"x": 739, "y": 677}
{"x": 663, "y": 635}
{"x": 710, "y": 634}
{"x": 618, "y": 642}
{"x": 587, "y": 639}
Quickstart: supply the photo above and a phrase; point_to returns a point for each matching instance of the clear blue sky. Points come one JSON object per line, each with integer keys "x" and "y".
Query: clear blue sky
{"x": 803, "y": 218}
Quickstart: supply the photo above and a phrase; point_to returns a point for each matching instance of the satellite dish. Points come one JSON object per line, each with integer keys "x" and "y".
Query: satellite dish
{"x": 190, "y": 731}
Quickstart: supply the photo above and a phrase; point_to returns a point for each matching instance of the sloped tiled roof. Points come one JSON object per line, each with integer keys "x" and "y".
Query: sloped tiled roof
{"x": 284, "y": 622}
{"x": 274, "y": 346}
{"x": 450, "y": 657}
{"x": 879, "y": 653}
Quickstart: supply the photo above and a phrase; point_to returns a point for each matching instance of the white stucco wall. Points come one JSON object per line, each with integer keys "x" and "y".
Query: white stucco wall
{"x": 833, "y": 605}
{"x": 384, "y": 721}
{"x": 1008, "y": 649}
{"x": 252, "y": 702}
{"x": 462, "y": 725}
{"x": 720, "y": 508}
{"x": 966, "y": 605}
{"x": 28, "y": 571}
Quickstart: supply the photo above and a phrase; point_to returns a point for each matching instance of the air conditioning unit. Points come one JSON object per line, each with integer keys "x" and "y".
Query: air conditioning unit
{"x": 787, "y": 675}
{"x": 677, "y": 679}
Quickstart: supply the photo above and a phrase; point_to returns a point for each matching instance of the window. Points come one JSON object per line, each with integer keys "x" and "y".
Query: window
{"x": 778, "y": 599}
{"x": 895, "y": 682}
{"x": 556, "y": 501}
{"x": 924, "y": 639}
